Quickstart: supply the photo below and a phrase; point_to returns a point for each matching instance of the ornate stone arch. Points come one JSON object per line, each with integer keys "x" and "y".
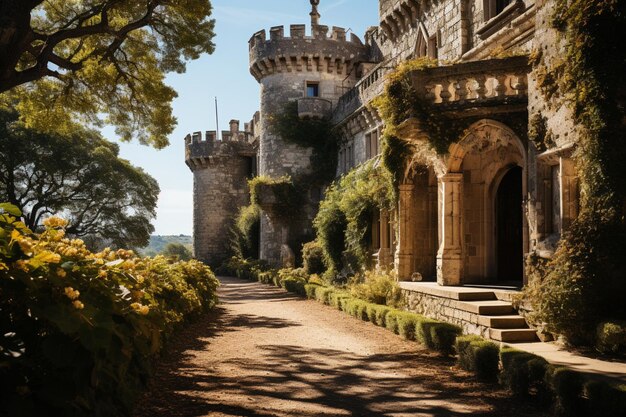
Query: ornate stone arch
{"x": 484, "y": 135}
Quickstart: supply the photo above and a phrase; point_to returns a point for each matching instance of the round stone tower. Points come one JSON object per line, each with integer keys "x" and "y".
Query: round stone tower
{"x": 221, "y": 169}
{"x": 314, "y": 70}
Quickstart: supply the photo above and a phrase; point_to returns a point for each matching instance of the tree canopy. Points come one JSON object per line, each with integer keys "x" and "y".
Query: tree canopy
{"x": 99, "y": 61}
{"x": 178, "y": 251}
{"x": 80, "y": 177}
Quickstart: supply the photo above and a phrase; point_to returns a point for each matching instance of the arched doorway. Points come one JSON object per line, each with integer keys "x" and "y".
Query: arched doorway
{"x": 509, "y": 227}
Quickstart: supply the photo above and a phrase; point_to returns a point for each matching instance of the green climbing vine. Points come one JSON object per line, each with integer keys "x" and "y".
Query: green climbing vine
{"x": 343, "y": 220}
{"x": 314, "y": 133}
{"x": 584, "y": 282}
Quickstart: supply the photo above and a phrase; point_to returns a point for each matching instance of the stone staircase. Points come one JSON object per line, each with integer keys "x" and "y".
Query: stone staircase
{"x": 485, "y": 311}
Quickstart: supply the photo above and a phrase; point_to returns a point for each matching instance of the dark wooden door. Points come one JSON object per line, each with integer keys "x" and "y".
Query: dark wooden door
{"x": 509, "y": 237}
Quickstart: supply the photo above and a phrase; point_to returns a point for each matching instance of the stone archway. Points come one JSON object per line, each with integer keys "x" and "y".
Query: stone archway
{"x": 475, "y": 167}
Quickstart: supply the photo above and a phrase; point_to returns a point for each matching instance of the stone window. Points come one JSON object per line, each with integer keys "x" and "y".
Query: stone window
{"x": 494, "y": 7}
{"x": 372, "y": 144}
{"x": 312, "y": 89}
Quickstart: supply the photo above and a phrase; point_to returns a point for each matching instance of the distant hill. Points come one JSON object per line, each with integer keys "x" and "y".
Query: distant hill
{"x": 158, "y": 243}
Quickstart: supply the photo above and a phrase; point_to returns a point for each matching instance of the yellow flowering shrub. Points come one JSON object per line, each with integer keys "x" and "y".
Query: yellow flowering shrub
{"x": 78, "y": 330}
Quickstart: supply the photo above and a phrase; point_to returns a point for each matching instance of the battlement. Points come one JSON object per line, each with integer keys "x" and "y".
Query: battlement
{"x": 201, "y": 151}
{"x": 325, "y": 49}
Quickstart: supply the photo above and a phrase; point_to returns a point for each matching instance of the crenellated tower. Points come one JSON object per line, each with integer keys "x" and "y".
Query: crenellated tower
{"x": 220, "y": 169}
{"x": 314, "y": 69}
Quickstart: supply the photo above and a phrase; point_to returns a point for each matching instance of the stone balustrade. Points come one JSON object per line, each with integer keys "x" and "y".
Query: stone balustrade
{"x": 367, "y": 89}
{"x": 473, "y": 82}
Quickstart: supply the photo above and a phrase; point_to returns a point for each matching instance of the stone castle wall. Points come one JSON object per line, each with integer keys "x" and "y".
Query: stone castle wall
{"x": 220, "y": 172}
{"x": 283, "y": 66}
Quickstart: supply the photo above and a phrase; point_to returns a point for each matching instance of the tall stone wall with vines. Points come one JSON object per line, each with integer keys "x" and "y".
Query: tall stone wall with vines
{"x": 578, "y": 79}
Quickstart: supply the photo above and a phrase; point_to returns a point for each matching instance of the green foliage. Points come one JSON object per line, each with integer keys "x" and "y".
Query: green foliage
{"x": 605, "y": 400}
{"x": 337, "y": 298}
{"x": 480, "y": 356}
{"x": 246, "y": 232}
{"x": 312, "y": 133}
{"x": 310, "y": 290}
{"x": 567, "y": 386}
{"x": 107, "y": 201}
{"x": 322, "y": 294}
{"x": 377, "y": 287}
{"x": 523, "y": 373}
{"x": 178, "y": 251}
{"x": 313, "y": 258}
{"x": 100, "y": 61}
{"x": 157, "y": 243}
{"x": 584, "y": 280}
{"x": 611, "y": 337}
{"x": 443, "y": 336}
{"x": 344, "y": 215}
{"x": 381, "y": 316}
{"x": 391, "y": 321}
{"x": 407, "y": 323}
{"x": 80, "y": 329}
{"x": 277, "y": 196}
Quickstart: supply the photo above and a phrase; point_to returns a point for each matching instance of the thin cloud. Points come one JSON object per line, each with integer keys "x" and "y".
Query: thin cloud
{"x": 333, "y": 6}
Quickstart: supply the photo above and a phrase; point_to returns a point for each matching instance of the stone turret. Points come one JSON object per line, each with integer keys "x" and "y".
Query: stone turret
{"x": 314, "y": 69}
{"x": 220, "y": 169}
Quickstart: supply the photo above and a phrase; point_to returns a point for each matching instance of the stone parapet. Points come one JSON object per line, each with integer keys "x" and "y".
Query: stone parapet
{"x": 313, "y": 107}
{"x": 321, "y": 52}
{"x": 200, "y": 152}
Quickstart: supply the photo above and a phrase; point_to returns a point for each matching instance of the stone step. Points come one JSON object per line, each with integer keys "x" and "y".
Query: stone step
{"x": 513, "y": 335}
{"x": 503, "y": 322}
{"x": 452, "y": 293}
{"x": 487, "y": 308}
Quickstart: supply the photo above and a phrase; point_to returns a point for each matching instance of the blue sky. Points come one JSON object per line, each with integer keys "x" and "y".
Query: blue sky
{"x": 225, "y": 75}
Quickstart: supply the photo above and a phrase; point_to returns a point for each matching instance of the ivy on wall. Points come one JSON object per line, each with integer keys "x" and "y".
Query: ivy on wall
{"x": 584, "y": 282}
{"x": 343, "y": 220}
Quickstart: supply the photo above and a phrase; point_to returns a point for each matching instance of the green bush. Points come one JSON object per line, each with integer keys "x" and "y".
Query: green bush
{"x": 391, "y": 321}
{"x": 337, "y": 298}
{"x": 295, "y": 286}
{"x": 381, "y": 316}
{"x": 479, "y": 356}
{"x": 371, "y": 310}
{"x": 611, "y": 337}
{"x": 605, "y": 400}
{"x": 313, "y": 258}
{"x": 310, "y": 290}
{"x": 377, "y": 287}
{"x": 84, "y": 328}
{"x": 567, "y": 386}
{"x": 422, "y": 332}
{"x": 407, "y": 323}
{"x": 322, "y": 294}
{"x": 523, "y": 373}
{"x": 245, "y": 233}
{"x": 443, "y": 336}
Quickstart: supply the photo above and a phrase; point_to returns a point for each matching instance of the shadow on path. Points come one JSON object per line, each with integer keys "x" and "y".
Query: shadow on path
{"x": 198, "y": 378}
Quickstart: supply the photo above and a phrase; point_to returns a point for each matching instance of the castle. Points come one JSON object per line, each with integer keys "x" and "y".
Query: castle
{"x": 467, "y": 216}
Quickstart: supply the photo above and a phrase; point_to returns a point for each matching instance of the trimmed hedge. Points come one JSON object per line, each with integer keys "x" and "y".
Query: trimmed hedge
{"x": 524, "y": 374}
{"x": 479, "y": 356}
{"x": 605, "y": 400}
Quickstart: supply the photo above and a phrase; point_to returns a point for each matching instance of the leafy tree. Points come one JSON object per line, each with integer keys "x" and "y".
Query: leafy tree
{"x": 178, "y": 251}
{"x": 90, "y": 58}
{"x": 79, "y": 176}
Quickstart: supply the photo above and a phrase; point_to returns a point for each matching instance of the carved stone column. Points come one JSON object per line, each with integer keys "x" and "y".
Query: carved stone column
{"x": 385, "y": 257}
{"x": 450, "y": 254}
{"x": 404, "y": 255}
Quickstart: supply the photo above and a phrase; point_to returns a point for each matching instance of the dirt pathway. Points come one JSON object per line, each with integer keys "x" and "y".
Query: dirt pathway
{"x": 264, "y": 352}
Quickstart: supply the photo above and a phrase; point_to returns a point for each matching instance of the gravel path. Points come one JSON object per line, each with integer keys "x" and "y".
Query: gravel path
{"x": 264, "y": 352}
